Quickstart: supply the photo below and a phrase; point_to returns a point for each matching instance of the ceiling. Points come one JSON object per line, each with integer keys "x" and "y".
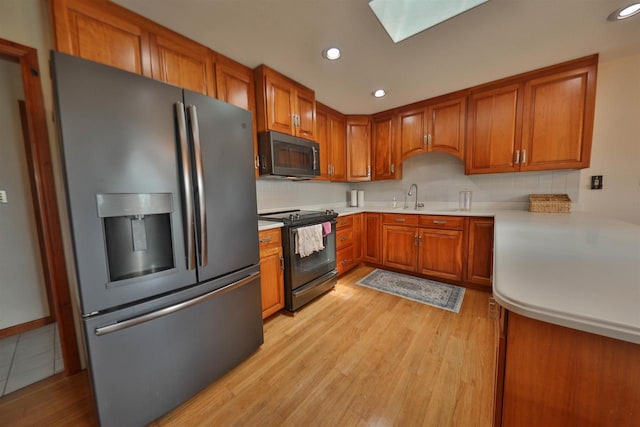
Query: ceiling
{"x": 494, "y": 40}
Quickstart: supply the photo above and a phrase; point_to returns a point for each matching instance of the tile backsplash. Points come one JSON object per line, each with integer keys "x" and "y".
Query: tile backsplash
{"x": 439, "y": 178}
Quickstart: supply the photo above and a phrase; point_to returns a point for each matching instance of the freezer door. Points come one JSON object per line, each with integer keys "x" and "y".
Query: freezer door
{"x": 226, "y": 212}
{"x": 145, "y": 361}
{"x": 124, "y": 186}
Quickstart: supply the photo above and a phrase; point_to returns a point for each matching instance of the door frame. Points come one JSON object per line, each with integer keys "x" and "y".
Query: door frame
{"x": 44, "y": 199}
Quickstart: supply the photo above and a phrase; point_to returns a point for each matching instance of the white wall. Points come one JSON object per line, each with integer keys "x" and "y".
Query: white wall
{"x": 616, "y": 142}
{"x": 281, "y": 194}
{"x": 23, "y": 294}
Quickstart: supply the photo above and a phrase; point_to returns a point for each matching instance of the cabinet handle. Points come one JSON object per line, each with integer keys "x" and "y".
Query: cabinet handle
{"x": 282, "y": 263}
{"x": 392, "y": 168}
{"x": 342, "y": 223}
{"x": 345, "y": 261}
{"x": 256, "y": 162}
{"x": 342, "y": 239}
{"x": 266, "y": 240}
{"x": 440, "y": 222}
{"x": 369, "y": 171}
{"x": 399, "y": 219}
{"x": 429, "y": 139}
{"x": 524, "y": 156}
{"x": 424, "y": 140}
{"x": 415, "y": 240}
{"x": 420, "y": 240}
{"x": 517, "y": 157}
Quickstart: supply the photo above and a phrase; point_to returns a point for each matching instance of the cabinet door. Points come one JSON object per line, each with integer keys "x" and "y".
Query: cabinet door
{"x": 441, "y": 253}
{"x": 412, "y": 133}
{"x": 399, "y": 247}
{"x": 306, "y": 111}
{"x": 357, "y": 238}
{"x": 494, "y": 128}
{"x": 182, "y": 62}
{"x": 480, "y": 251}
{"x": 371, "y": 238}
{"x": 446, "y": 127}
{"x": 323, "y": 139}
{"x": 383, "y": 148}
{"x": 557, "y": 123}
{"x": 271, "y": 272}
{"x": 358, "y": 148}
{"x": 338, "y": 142}
{"x": 101, "y": 32}
{"x": 280, "y": 104}
{"x": 271, "y": 281}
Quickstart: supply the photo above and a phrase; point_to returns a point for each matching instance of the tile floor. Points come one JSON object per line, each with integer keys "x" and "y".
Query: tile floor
{"x": 29, "y": 357}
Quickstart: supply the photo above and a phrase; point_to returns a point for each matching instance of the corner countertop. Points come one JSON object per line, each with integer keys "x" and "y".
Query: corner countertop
{"x": 574, "y": 270}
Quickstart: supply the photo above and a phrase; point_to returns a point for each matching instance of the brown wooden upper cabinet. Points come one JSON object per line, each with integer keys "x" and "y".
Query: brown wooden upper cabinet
{"x": 102, "y": 32}
{"x": 283, "y": 105}
{"x": 182, "y": 62}
{"x": 358, "y": 148}
{"x": 383, "y": 147}
{"x": 541, "y": 120}
{"x": 434, "y": 125}
{"x": 331, "y": 134}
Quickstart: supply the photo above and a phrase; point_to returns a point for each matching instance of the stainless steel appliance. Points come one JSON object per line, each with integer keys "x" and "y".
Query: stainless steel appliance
{"x": 286, "y": 156}
{"x": 305, "y": 278}
{"x": 161, "y": 196}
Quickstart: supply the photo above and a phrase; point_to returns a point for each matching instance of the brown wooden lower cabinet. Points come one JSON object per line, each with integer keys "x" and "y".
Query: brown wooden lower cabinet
{"x": 479, "y": 269}
{"x": 372, "y": 239}
{"x": 348, "y": 242}
{"x": 431, "y": 245}
{"x": 271, "y": 271}
{"x": 558, "y": 376}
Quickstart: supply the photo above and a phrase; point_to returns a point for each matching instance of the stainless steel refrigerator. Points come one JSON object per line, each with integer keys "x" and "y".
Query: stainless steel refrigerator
{"x": 161, "y": 197}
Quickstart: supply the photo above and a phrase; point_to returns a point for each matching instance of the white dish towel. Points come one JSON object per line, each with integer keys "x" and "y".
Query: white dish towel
{"x": 309, "y": 240}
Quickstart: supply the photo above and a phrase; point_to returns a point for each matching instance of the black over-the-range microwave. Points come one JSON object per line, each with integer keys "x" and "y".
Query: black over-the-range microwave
{"x": 286, "y": 156}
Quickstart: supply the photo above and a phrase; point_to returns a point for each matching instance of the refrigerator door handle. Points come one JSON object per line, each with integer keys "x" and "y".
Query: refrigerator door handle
{"x": 186, "y": 185}
{"x": 118, "y": 326}
{"x": 195, "y": 134}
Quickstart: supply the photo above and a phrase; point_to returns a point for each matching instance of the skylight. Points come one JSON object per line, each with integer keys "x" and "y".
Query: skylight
{"x": 404, "y": 18}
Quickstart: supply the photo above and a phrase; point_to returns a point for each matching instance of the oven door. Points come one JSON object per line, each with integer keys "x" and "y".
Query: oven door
{"x": 305, "y": 269}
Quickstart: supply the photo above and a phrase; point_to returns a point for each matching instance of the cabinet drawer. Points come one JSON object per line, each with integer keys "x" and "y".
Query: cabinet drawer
{"x": 344, "y": 221}
{"x": 399, "y": 219}
{"x": 344, "y": 237}
{"x": 269, "y": 239}
{"x": 441, "y": 221}
{"x": 344, "y": 259}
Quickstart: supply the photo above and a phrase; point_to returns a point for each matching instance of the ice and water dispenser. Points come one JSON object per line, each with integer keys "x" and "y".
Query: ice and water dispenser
{"x": 137, "y": 231}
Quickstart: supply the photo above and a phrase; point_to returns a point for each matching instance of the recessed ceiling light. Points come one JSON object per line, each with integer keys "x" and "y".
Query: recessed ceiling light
{"x": 625, "y": 12}
{"x": 331, "y": 53}
{"x": 379, "y": 93}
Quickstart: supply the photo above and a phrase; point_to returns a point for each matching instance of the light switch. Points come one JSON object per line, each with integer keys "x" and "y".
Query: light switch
{"x": 3, "y": 196}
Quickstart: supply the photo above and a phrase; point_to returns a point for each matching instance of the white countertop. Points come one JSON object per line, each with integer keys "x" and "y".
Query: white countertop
{"x": 572, "y": 270}
{"x": 268, "y": 225}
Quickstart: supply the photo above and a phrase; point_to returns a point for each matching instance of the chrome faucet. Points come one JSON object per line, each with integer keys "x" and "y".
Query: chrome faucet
{"x": 409, "y": 194}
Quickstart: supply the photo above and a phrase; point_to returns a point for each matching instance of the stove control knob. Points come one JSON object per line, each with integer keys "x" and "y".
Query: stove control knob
{"x": 329, "y": 212}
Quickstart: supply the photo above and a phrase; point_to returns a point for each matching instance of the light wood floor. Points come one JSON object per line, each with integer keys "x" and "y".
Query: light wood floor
{"x": 354, "y": 357}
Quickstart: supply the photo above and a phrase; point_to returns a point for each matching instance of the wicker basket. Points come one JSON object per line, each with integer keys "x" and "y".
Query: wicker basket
{"x": 549, "y": 203}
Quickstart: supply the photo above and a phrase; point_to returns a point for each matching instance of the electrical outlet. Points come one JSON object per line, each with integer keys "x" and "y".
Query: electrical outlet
{"x": 596, "y": 182}
{"x": 3, "y": 196}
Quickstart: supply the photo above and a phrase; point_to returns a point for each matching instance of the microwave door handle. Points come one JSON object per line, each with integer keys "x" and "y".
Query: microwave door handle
{"x": 202, "y": 218}
{"x": 315, "y": 158}
{"x": 186, "y": 185}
